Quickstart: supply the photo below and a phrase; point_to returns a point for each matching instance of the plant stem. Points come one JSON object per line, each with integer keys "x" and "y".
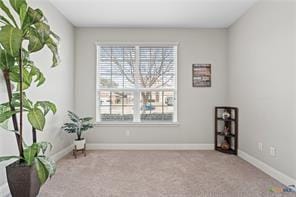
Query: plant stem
{"x": 34, "y": 135}
{"x": 14, "y": 118}
{"x": 21, "y": 96}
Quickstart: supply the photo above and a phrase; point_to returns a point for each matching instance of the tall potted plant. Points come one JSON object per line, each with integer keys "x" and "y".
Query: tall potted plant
{"x": 22, "y": 34}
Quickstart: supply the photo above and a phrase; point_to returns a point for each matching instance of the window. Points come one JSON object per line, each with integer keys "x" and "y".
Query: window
{"x": 136, "y": 83}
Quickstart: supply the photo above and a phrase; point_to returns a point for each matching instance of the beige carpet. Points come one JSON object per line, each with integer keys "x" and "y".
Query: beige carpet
{"x": 157, "y": 173}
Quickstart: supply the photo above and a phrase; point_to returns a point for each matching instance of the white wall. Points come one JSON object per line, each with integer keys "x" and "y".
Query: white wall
{"x": 294, "y": 98}
{"x": 196, "y": 105}
{"x": 58, "y": 87}
{"x": 262, "y": 82}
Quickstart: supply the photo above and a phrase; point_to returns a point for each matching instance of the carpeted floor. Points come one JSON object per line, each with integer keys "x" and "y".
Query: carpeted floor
{"x": 157, "y": 173}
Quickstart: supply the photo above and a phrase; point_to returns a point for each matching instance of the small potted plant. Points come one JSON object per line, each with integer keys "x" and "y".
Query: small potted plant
{"x": 78, "y": 126}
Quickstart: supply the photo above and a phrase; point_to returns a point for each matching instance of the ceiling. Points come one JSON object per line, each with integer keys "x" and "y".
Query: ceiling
{"x": 153, "y": 13}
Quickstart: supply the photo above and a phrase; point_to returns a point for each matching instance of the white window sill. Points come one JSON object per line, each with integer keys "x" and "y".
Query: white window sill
{"x": 115, "y": 124}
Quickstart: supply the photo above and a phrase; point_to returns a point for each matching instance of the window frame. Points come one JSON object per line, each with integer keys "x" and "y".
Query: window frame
{"x": 136, "y": 91}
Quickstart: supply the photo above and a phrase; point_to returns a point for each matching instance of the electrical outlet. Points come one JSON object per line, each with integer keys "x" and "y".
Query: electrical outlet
{"x": 127, "y": 133}
{"x": 260, "y": 146}
{"x": 272, "y": 151}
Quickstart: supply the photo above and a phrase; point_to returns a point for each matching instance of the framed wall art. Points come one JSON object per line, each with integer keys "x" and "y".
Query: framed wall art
{"x": 201, "y": 75}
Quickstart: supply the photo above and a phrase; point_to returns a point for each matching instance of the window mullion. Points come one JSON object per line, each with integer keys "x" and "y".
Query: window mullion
{"x": 98, "y": 76}
{"x": 137, "y": 116}
{"x": 175, "y": 114}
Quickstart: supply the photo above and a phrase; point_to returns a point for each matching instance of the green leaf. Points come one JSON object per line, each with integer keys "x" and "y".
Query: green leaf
{"x": 5, "y": 116}
{"x": 46, "y": 106}
{"x": 15, "y": 101}
{"x": 73, "y": 116}
{"x": 41, "y": 79}
{"x": 70, "y": 127}
{"x": 51, "y": 106}
{"x": 27, "y": 78}
{"x": 25, "y": 86}
{"x": 55, "y": 36}
{"x": 54, "y": 50}
{"x": 30, "y": 153}
{"x": 36, "y": 118}
{"x": 34, "y": 72}
{"x": 14, "y": 74}
{"x": 44, "y": 145}
{"x": 6, "y": 60}
{"x": 42, "y": 171}
{"x": 32, "y": 17}
{"x": 43, "y": 31}
{"x": 35, "y": 42}
{"x": 5, "y": 21}
{"x": 5, "y": 158}
{"x": 23, "y": 13}
{"x": 7, "y": 12}
{"x": 49, "y": 165}
{"x": 86, "y": 119}
{"x": 16, "y": 4}
{"x": 11, "y": 39}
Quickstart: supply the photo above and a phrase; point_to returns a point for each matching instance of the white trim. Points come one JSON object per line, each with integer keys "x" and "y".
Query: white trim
{"x": 120, "y": 44}
{"x": 116, "y": 124}
{"x": 281, "y": 177}
{"x": 59, "y": 155}
{"x": 140, "y": 89}
{"x": 4, "y": 189}
{"x": 150, "y": 146}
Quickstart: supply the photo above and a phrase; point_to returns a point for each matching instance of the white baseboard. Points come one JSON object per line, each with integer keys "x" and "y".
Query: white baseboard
{"x": 281, "y": 177}
{"x": 4, "y": 189}
{"x": 57, "y": 156}
{"x": 150, "y": 146}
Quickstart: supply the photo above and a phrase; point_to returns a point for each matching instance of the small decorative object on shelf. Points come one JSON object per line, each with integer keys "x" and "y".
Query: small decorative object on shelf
{"x": 225, "y": 145}
{"x": 226, "y": 129}
{"x": 225, "y": 115}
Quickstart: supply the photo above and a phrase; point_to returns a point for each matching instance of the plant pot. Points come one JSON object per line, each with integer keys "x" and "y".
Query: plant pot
{"x": 22, "y": 180}
{"x": 79, "y": 144}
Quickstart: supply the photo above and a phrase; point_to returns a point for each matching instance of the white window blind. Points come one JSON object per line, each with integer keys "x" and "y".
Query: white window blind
{"x": 136, "y": 83}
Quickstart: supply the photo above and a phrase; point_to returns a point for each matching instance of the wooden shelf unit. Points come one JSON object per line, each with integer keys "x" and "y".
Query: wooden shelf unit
{"x": 226, "y": 124}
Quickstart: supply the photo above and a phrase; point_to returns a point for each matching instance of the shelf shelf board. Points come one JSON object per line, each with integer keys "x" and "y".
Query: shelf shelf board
{"x": 229, "y": 151}
{"x": 226, "y": 120}
{"x": 223, "y": 134}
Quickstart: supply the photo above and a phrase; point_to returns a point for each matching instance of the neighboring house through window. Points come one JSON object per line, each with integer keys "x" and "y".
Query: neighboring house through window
{"x": 136, "y": 83}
